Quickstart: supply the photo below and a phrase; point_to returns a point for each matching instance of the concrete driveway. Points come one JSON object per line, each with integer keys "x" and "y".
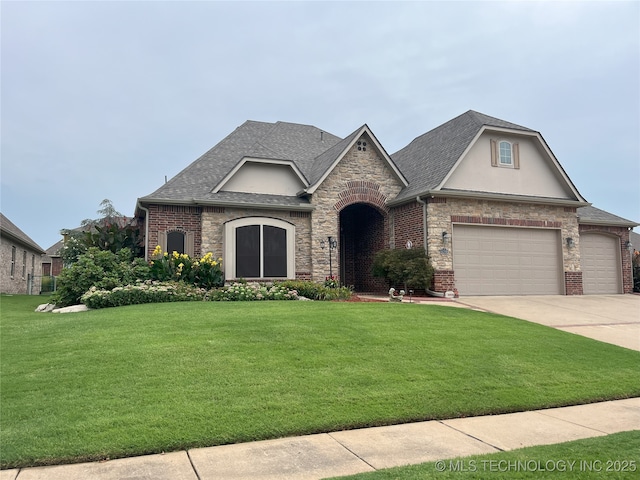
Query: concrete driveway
{"x": 608, "y": 318}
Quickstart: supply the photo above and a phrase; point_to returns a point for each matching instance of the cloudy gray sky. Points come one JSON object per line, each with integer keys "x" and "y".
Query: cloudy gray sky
{"x": 103, "y": 99}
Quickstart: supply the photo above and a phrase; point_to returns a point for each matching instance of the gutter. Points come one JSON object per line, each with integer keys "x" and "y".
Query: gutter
{"x": 565, "y": 202}
{"x": 146, "y": 230}
{"x": 218, "y": 203}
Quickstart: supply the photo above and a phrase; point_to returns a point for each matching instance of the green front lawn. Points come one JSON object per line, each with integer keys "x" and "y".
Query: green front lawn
{"x": 160, "y": 377}
{"x": 614, "y": 456}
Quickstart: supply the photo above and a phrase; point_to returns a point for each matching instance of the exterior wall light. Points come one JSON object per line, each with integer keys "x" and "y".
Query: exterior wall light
{"x": 628, "y": 245}
{"x": 570, "y": 242}
{"x": 445, "y": 238}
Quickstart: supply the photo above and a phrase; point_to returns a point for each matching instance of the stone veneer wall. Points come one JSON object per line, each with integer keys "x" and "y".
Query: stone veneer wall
{"x": 625, "y": 255}
{"x": 361, "y": 176}
{"x": 443, "y": 213}
{"x": 214, "y": 218}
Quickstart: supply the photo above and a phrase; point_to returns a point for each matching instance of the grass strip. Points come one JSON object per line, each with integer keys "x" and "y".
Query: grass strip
{"x": 615, "y": 456}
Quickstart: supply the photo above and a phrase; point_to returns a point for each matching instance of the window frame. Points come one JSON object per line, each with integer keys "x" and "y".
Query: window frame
{"x": 229, "y": 246}
{"x": 496, "y": 154}
{"x": 500, "y": 155}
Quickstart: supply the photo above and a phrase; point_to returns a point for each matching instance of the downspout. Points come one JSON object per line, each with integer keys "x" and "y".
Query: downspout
{"x": 146, "y": 231}
{"x": 424, "y": 239}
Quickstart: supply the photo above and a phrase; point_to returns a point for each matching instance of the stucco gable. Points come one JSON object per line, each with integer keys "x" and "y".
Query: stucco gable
{"x": 432, "y": 159}
{"x": 262, "y": 176}
{"x": 533, "y": 171}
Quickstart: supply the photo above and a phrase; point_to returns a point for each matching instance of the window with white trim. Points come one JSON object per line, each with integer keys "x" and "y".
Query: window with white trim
{"x": 259, "y": 247}
{"x": 505, "y": 154}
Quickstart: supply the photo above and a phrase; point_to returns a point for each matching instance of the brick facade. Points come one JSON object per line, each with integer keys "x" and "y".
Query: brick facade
{"x": 27, "y": 263}
{"x": 168, "y": 218}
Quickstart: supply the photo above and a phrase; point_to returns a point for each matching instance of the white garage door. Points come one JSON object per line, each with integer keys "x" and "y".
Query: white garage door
{"x": 600, "y": 260}
{"x": 507, "y": 261}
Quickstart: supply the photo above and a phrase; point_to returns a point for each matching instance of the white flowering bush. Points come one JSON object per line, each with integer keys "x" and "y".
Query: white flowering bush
{"x": 252, "y": 291}
{"x": 156, "y": 292}
{"x": 143, "y": 292}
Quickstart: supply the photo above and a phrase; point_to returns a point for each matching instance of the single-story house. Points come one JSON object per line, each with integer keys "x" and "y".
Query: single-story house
{"x": 20, "y": 260}
{"x": 487, "y": 199}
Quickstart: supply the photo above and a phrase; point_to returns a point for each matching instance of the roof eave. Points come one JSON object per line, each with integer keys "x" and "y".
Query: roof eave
{"x": 566, "y": 202}
{"x": 221, "y": 203}
{"x": 21, "y": 241}
{"x": 613, "y": 223}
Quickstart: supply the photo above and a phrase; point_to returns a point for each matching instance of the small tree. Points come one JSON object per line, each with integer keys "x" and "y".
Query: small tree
{"x": 407, "y": 267}
{"x": 111, "y": 232}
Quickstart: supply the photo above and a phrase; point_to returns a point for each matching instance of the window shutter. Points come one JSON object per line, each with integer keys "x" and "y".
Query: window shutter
{"x": 494, "y": 153}
{"x": 190, "y": 244}
{"x": 162, "y": 241}
{"x": 516, "y": 155}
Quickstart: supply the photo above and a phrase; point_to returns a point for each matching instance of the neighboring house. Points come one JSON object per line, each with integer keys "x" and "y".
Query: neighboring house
{"x": 52, "y": 261}
{"x": 20, "y": 260}
{"x": 486, "y": 198}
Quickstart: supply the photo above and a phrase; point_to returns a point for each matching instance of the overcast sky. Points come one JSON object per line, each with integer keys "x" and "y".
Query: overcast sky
{"x": 102, "y": 100}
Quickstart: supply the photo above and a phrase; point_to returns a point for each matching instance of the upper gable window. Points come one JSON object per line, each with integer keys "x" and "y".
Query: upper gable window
{"x": 506, "y": 157}
{"x": 505, "y": 154}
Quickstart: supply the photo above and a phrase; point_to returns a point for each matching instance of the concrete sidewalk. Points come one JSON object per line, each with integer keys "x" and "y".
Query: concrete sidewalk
{"x": 355, "y": 451}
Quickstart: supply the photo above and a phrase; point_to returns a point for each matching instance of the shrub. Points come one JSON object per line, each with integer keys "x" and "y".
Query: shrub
{"x": 100, "y": 269}
{"x": 404, "y": 266}
{"x": 115, "y": 237}
{"x": 316, "y": 291}
{"x": 205, "y": 272}
{"x": 241, "y": 291}
{"x": 142, "y": 292}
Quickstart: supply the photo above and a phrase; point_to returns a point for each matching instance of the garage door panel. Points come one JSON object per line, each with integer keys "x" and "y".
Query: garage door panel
{"x": 601, "y": 266}
{"x": 506, "y": 261}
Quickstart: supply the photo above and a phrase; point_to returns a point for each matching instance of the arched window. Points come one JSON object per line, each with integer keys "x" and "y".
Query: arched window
{"x": 259, "y": 247}
{"x": 505, "y": 154}
{"x": 175, "y": 242}
{"x": 506, "y": 157}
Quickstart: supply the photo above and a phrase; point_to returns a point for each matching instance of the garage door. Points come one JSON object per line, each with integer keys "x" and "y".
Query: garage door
{"x": 507, "y": 261}
{"x": 600, "y": 260}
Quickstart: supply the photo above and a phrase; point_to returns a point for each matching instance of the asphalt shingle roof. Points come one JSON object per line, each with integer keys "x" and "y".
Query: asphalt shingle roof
{"x": 276, "y": 141}
{"x": 592, "y": 215}
{"x": 429, "y": 158}
{"x": 9, "y": 229}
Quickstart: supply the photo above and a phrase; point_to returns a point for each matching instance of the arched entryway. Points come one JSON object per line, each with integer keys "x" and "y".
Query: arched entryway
{"x": 362, "y": 234}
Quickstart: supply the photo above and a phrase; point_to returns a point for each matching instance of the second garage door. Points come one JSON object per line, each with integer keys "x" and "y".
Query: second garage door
{"x": 600, "y": 258}
{"x": 507, "y": 261}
